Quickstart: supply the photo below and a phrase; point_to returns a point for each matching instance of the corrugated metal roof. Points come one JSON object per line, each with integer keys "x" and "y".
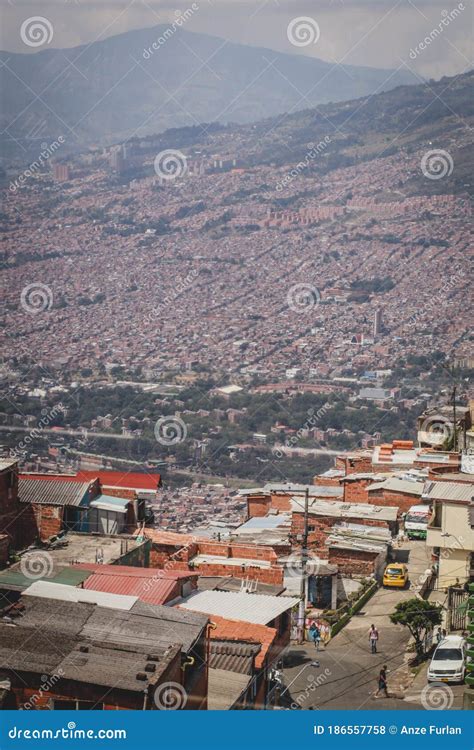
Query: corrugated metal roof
{"x": 152, "y": 589}
{"x": 48, "y": 590}
{"x": 398, "y": 485}
{"x": 314, "y": 490}
{"x": 256, "y": 608}
{"x": 265, "y": 522}
{"x": 449, "y": 491}
{"x": 225, "y": 689}
{"x": 336, "y": 509}
{"x": 232, "y": 655}
{"x": 7, "y": 463}
{"x": 14, "y": 578}
{"x": 108, "y": 502}
{"x": 44, "y": 492}
{"x": 240, "y": 562}
{"x": 338, "y": 541}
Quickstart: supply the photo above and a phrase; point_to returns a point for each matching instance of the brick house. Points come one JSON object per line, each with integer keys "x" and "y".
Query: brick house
{"x": 76, "y": 655}
{"x": 10, "y": 508}
{"x": 49, "y": 507}
{"x": 396, "y": 492}
{"x": 325, "y": 516}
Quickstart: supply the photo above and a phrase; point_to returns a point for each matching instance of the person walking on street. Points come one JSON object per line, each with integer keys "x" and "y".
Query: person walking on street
{"x": 315, "y": 635}
{"x": 373, "y": 638}
{"x": 439, "y": 635}
{"x": 382, "y": 686}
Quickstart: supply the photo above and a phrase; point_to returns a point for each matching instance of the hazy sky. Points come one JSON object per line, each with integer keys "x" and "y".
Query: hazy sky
{"x": 380, "y": 33}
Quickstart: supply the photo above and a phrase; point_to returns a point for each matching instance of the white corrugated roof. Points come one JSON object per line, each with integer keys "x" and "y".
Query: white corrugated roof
{"x": 7, "y": 463}
{"x": 255, "y": 608}
{"x": 463, "y": 492}
{"x": 337, "y": 509}
{"x": 48, "y": 590}
{"x": 394, "y": 484}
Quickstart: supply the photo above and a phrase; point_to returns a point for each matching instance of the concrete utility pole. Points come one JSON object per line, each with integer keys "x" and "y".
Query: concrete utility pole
{"x": 455, "y": 431}
{"x": 304, "y": 561}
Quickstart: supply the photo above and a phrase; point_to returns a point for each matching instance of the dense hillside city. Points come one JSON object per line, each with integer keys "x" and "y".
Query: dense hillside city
{"x": 237, "y": 419}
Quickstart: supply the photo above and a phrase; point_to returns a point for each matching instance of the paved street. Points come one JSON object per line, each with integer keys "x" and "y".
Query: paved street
{"x": 348, "y": 672}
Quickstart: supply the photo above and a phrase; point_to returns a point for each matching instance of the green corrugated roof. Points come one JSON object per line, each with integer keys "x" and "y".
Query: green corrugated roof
{"x": 14, "y": 578}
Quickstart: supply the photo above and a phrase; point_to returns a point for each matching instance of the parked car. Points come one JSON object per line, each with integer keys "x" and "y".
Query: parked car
{"x": 396, "y": 575}
{"x": 449, "y": 660}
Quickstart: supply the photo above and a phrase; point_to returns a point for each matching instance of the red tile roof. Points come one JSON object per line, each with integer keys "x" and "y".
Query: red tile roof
{"x": 236, "y": 630}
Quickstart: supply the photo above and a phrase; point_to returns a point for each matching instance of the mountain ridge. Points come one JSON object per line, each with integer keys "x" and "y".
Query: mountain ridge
{"x": 111, "y": 90}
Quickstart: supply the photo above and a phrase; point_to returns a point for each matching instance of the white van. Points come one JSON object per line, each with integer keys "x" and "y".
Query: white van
{"x": 448, "y": 662}
{"x": 416, "y": 521}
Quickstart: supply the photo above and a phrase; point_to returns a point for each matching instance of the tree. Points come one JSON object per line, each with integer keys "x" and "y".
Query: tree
{"x": 419, "y": 617}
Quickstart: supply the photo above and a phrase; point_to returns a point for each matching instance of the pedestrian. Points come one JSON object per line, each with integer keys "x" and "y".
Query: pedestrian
{"x": 315, "y": 635}
{"x": 439, "y": 636}
{"x": 382, "y": 686}
{"x": 373, "y": 638}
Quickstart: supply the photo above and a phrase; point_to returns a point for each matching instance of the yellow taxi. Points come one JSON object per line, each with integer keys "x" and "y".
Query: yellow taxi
{"x": 395, "y": 574}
